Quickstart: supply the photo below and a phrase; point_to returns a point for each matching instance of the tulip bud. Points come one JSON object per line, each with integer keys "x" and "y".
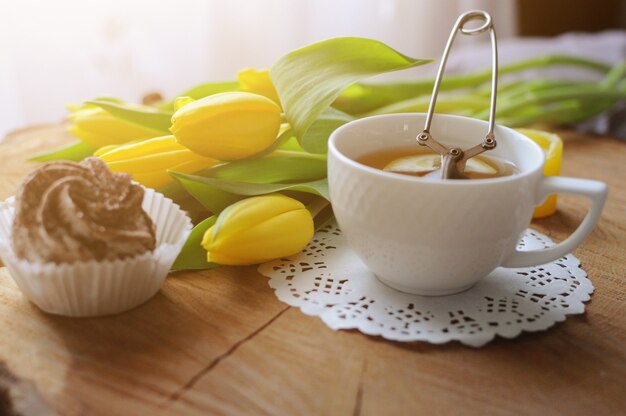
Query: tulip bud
{"x": 258, "y": 229}
{"x": 149, "y": 160}
{"x": 258, "y": 81}
{"x": 97, "y": 127}
{"x": 227, "y": 126}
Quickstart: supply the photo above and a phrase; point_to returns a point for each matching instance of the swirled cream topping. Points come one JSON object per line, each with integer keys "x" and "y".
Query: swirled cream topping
{"x": 67, "y": 212}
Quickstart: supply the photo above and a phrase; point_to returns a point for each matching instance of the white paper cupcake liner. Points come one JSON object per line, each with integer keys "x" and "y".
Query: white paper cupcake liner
{"x": 96, "y": 288}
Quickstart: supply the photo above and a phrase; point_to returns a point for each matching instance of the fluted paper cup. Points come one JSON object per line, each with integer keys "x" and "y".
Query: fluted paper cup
{"x": 96, "y": 288}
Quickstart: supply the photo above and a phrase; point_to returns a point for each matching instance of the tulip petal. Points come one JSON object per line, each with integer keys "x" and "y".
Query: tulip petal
{"x": 231, "y": 135}
{"x": 158, "y": 161}
{"x": 90, "y": 139}
{"x": 149, "y": 160}
{"x": 228, "y": 126}
{"x": 259, "y": 229}
{"x": 97, "y": 128}
{"x": 233, "y": 138}
{"x": 283, "y": 235}
{"x": 152, "y": 180}
{"x": 226, "y": 260}
{"x": 158, "y": 178}
{"x": 258, "y": 81}
{"x": 105, "y": 149}
{"x": 194, "y": 165}
{"x": 217, "y": 104}
{"x": 143, "y": 147}
{"x": 250, "y": 211}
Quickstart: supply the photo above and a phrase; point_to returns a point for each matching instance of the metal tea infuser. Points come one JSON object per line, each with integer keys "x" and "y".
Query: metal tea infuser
{"x": 453, "y": 159}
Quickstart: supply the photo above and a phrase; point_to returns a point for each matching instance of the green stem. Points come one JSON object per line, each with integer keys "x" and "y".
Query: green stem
{"x": 586, "y": 111}
{"x": 559, "y": 103}
{"x": 615, "y": 75}
{"x": 364, "y": 98}
{"x": 583, "y": 93}
{"x": 533, "y": 86}
{"x": 464, "y": 81}
{"x": 535, "y": 115}
{"x": 447, "y": 104}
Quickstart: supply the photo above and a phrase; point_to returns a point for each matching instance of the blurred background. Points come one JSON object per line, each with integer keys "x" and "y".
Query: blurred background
{"x": 65, "y": 51}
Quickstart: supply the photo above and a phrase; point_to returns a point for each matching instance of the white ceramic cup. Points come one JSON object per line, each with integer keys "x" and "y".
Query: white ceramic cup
{"x": 441, "y": 237}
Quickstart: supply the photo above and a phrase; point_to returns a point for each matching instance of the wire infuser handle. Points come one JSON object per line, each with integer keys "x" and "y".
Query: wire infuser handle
{"x": 489, "y": 142}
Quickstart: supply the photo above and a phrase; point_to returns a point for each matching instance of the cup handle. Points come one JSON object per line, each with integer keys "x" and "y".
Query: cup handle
{"x": 594, "y": 190}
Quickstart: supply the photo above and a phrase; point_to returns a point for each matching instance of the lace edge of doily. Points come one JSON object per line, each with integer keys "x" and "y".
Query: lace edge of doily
{"x": 471, "y": 341}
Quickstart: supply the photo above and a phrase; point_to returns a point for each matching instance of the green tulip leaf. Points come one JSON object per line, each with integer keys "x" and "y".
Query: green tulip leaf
{"x": 158, "y": 120}
{"x": 315, "y": 139}
{"x": 77, "y": 107}
{"x": 177, "y": 193}
{"x": 280, "y": 166}
{"x": 217, "y": 194}
{"x": 292, "y": 145}
{"x": 204, "y": 90}
{"x": 193, "y": 256}
{"x": 309, "y": 79}
{"x": 75, "y": 152}
{"x": 109, "y": 99}
{"x": 209, "y": 196}
{"x": 210, "y": 88}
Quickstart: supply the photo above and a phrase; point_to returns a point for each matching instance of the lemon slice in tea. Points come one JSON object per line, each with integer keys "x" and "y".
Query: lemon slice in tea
{"x": 421, "y": 164}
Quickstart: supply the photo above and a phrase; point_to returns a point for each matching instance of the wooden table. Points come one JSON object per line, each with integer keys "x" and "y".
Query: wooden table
{"x": 218, "y": 341}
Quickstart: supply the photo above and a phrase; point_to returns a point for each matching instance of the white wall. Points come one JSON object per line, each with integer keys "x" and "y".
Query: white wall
{"x": 60, "y": 51}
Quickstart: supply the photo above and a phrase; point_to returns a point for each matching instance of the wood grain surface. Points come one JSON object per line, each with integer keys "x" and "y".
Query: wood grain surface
{"x": 219, "y": 342}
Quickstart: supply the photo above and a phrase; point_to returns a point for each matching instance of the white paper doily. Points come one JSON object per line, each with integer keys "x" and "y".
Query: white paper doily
{"x": 328, "y": 280}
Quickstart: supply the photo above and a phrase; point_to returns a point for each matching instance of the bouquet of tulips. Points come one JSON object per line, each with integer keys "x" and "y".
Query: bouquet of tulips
{"x": 246, "y": 159}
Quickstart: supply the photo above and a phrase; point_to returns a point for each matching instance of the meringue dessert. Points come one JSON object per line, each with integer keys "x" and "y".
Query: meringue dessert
{"x": 67, "y": 212}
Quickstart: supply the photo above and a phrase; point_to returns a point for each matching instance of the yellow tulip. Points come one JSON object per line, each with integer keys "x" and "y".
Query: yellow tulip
{"x": 258, "y": 81}
{"x": 97, "y": 128}
{"x": 227, "y": 126}
{"x": 149, "y": 160}
{"x": 258, "y": 229}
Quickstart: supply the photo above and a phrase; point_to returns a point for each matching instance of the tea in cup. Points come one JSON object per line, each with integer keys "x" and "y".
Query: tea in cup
{"x": 422, "y": 162}
{"x": 438, "y": 237}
